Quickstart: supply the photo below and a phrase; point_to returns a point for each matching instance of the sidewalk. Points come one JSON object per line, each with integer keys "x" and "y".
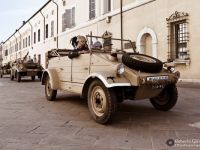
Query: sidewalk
{"x": 183, "y": 84}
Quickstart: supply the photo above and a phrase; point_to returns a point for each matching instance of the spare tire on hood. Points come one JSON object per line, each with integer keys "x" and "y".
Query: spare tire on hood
{"x": 142, "y": 62}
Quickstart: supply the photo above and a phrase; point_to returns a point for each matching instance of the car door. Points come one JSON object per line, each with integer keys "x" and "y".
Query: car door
{"x": 80, "y": 68}
{"x": 62, "y": 65}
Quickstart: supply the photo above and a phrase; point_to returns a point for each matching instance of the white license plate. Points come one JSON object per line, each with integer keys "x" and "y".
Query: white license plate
{"x": 157, "y": 78}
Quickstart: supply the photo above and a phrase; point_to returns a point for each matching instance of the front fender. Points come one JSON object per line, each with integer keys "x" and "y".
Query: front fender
{"x": 54, "y": 79}
{"x": 109, "y": 80}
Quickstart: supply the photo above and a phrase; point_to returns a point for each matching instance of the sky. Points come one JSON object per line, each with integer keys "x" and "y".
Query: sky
{"x": 14, "y": 12}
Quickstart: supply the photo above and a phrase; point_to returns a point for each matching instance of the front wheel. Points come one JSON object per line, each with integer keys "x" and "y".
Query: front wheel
{"x": 101, "y": 102}
{"x": 167, "y": 99}
{"x": 49, "y": 92}
{"x": 11, "y": 77}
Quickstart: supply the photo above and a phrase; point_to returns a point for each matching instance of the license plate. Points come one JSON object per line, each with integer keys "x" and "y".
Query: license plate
{"x": 157, "y": 78}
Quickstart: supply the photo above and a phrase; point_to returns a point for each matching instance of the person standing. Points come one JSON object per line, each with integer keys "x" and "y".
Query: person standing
{"x": 35, "y": 59}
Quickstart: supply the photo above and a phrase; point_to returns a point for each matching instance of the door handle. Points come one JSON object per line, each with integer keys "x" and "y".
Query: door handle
{"x": 86, "y": 68}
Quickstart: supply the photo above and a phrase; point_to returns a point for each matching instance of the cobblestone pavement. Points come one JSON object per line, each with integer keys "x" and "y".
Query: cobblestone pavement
{"x": 29, "y": 122}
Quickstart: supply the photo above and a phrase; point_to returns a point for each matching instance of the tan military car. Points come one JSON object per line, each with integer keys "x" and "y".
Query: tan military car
{"x": 105, "y": 79}
{"x": 5, "y": 69}
{"x": 20, "y": 68}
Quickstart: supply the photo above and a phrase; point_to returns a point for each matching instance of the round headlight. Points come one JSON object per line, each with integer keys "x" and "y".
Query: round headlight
{"x": 120, "y": 69}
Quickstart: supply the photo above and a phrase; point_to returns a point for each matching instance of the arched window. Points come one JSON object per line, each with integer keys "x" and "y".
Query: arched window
{"x": 147, "y": 42}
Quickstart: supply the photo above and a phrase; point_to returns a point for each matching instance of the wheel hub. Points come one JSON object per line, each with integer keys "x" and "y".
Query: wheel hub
{"x": 98, "y": 101}
{"x": 48, "y": 88}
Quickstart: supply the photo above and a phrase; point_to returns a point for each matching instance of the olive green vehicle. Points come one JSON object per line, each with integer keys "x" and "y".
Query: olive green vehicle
{"x": 21, "y": 69}
{"x": 105, "y": 80}
{"x": 5, "y": 70}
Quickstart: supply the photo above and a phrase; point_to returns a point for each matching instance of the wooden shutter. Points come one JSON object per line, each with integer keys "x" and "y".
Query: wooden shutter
{"x": 52, "y": 28}
{"x": 107, "y": 6}
{"x": 73, "y": 16}
{"x": 92, "y": 9}
{"x": 68, "y": 17}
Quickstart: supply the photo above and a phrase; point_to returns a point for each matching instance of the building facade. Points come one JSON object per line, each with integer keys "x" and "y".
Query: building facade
{"x": 1, "y": 57}
{"x": 160, "y": 28}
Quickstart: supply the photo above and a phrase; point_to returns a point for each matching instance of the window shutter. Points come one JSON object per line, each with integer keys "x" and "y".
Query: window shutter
{"x": 47, "y": 31}
{"x": 92, "y": 9}
{"x": 68, "y": 17}
{"x": 52, "y": 28}
{"x": 73, "y": 16}
{"x": 107, "y": 6}
{"x": 63, "y": 22}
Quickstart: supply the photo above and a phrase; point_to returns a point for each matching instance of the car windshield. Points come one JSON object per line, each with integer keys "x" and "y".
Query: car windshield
{"x": 109, "y": 44}
{"x": 100, "y": 45}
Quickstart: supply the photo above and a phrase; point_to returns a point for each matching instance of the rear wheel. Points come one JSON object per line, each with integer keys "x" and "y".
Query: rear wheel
{"x": 167, "y": 99}
{"x": 32, "y": 78}
{"x": 101, "y": 102}
{"x": 11, "y": 77}
{"x": 18, "y": 77}
{"x": 49, "y": 92}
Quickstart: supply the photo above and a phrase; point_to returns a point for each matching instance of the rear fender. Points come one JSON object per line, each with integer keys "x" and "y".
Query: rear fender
{"x": 54, "y": 79}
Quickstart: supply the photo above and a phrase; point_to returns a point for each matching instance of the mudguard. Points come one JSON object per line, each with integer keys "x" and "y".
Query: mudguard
{"x": 109, "y": 80}
{"x": 54, "y": 79}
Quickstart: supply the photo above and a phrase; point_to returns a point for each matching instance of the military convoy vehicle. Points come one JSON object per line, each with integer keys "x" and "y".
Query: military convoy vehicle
{"x": 21, "y": 68}
{"x": 5, "y": 70}
{"x": 108, "y": 77}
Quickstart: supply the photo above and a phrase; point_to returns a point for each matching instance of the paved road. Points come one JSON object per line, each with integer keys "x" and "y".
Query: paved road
{"x": 29, "y": 122}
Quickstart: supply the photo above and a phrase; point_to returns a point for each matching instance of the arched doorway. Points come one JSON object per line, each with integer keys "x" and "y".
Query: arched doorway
{"x": 147, "y": 42}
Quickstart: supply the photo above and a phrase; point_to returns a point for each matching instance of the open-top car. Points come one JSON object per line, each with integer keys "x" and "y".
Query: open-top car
{"x": 21, "y": 68}
{"x": 106, "y": 77}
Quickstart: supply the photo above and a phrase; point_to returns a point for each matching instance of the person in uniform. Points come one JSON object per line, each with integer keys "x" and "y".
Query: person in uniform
{"x": 35, "y": 59}
{"x": 107, "y": 46}
{"x": 80, "y": 46}
{"x": 97, "y": 45}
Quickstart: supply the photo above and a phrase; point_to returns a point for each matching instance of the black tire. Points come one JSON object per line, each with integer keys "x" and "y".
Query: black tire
{"x": 142, "y": 62}
{"x": 40, "y": 77}
{"x": 1, "y": 75}
{"x": 167, "y": 99}
{"x": 99, "y": 96}
{"x": 11, "y": 77}
{"x": 32, "y": 78}
{"x": 49, "y": 92}
{"x": 18, "y": 77}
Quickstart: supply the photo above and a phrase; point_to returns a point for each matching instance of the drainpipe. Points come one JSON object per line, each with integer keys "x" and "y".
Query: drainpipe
{"x": 121, "y": 16}
{"x": 10, "y": 52}
{"x": 31, "y": 34}
{"x": 15, "y": 46}
{"x": 20, "y": 44}
{"x": 16, "y": 42}
{"x": 57, "y": 22}
{"x": 44, "y": 24}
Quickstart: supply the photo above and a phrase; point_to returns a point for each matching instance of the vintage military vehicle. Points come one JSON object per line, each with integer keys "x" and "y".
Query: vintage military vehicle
{"x": 5, "y": 69}
{"x": 107, "y": 77}
{"x": 21, "y": 68}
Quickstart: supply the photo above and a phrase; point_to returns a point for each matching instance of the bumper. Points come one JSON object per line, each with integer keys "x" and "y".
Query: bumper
{"x": 34, "y": 72}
